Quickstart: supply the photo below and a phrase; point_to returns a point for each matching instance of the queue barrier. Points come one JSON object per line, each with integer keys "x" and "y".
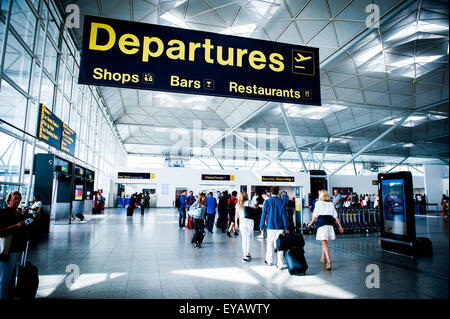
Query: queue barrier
{"x": 354, "y": 220}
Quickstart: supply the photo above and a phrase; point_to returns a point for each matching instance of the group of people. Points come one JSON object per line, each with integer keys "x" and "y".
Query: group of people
{"x": 141, "y": 200}
{"x": 273, "y": 213}
{"x": 353, "y": 200}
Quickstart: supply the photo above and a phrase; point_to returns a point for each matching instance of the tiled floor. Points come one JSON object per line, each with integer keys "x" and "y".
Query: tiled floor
{"x": 115, "y": 256}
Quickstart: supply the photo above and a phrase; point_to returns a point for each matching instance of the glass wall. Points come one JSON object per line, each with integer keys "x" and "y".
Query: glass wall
{"x": 41, "y": 66}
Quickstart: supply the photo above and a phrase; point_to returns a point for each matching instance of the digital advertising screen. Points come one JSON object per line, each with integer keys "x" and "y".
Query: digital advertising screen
{"x": 394, "y": 211}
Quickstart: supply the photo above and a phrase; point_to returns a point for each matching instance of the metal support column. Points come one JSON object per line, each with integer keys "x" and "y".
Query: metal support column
{"x": 399, "y": 163}
{"x": 324, "y": 152}
{"x": 270, "y": 158}
{"x": 354, "y": 167}
{"x": 5, "y": 36}
{"x": 31, "y": 184}
{"x": 212, "y": 152}
{"x": 283, "y": 112}
{"x": 372, "y": 143}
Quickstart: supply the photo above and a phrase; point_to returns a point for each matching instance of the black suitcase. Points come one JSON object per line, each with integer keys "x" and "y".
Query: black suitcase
{"x": 27, "y": 279}
{"x": 130, "y": 210}
{"x": 296, "y": 262}
{"x": 291, "y": 240}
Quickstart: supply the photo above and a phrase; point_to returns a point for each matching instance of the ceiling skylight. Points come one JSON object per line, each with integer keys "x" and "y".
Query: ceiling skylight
{"x": 418, "y": 59}
{"x": 173, "y": 19}
{"x": 420, "y": 26}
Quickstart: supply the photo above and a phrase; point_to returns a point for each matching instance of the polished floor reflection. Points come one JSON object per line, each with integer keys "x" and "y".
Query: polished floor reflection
{"x": 115, "y": 256}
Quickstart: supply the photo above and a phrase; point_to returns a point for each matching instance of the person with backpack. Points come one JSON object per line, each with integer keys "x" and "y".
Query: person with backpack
{"x": 232, "y": 201}
{"x": 142, "y": 204}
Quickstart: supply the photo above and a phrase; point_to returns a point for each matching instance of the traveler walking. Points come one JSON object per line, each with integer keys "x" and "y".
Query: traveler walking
{"x": 199, "y": 221}
{"x": 231, "y": 213}
{"x": 325, "y": 213}
{"x": 246, "y": 224}
{"x": 276, "y": 224}
{"x": 182, "y": 211}
{"x": 211, "y": 205}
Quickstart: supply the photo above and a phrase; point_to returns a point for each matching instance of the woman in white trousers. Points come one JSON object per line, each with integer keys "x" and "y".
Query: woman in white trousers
{"x": 246, "y": 224}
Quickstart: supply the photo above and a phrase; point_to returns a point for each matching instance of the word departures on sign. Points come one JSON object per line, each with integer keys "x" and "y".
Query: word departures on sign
{"x": 54, "y": 132}
{"x": 152, "y": 57}
{"x": 206, "y": 177}
{"x": 288, "y": 179}
{"x": 131, "y": 175}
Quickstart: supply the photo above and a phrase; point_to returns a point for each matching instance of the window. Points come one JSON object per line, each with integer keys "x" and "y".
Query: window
{"x": 23, "y": 21}
{"x": 50, "y": 59}
{"x": 47, "y": 92}
{"x": 12, "y": 106}
{"x": 17, "y": 62}
{"x": 10, "y": 152}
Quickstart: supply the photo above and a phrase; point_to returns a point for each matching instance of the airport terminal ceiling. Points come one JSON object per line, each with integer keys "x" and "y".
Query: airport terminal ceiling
{"x": 371, "y": 78}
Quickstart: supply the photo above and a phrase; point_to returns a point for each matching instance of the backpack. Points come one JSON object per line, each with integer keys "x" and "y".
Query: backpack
{"x": 232, "y": 205}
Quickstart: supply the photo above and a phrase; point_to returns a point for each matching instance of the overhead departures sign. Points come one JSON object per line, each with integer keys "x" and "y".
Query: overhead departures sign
{"x": 207, "y": 177}
{"x": 152, "y": 57}
{"x": 49, "y": 127}
{"x": 68, "y": 137}
{"x": 54, "y": 132}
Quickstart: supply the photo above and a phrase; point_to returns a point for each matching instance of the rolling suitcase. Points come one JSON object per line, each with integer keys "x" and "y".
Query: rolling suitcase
{"x": 130, "y": 210}
{"x": 27, "y": 279}
{"x": 295, "y": 260}
{"x": 190, "y": 223}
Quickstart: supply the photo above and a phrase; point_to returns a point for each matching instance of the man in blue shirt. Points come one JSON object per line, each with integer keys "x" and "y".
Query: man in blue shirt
{"x": 276, "y": 224}
{"x": 182, "y": 211}
{"x": 190, "y": 199}
{"x": 211, "y": 204}
{"x": 337, "y": 199}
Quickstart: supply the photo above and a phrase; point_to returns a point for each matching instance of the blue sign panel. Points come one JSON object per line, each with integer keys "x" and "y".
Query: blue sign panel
{"x": 152, "y": 57}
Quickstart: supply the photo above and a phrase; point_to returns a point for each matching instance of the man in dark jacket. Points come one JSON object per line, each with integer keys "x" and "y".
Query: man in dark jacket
{"x": 222, "y": 210}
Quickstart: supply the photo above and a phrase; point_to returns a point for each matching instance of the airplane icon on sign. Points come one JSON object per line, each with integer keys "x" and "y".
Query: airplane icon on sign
{"x": 301, "y": 58}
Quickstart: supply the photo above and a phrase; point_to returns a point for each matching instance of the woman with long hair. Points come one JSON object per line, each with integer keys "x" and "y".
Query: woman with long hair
{"x": 199, "y": 223}
{"x": 246, "y": 224}
{"x": 326, "y": 215}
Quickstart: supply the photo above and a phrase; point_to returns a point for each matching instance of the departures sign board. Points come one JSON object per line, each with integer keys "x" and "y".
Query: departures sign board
{"x": 144, "y": 56}
{"x": 54, "y": 132}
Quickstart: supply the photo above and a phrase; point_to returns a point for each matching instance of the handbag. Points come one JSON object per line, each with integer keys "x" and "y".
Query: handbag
{"x": 250, "y": 212}
{"x": 195, "y": 212}
{"x": 5, "y": 246}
